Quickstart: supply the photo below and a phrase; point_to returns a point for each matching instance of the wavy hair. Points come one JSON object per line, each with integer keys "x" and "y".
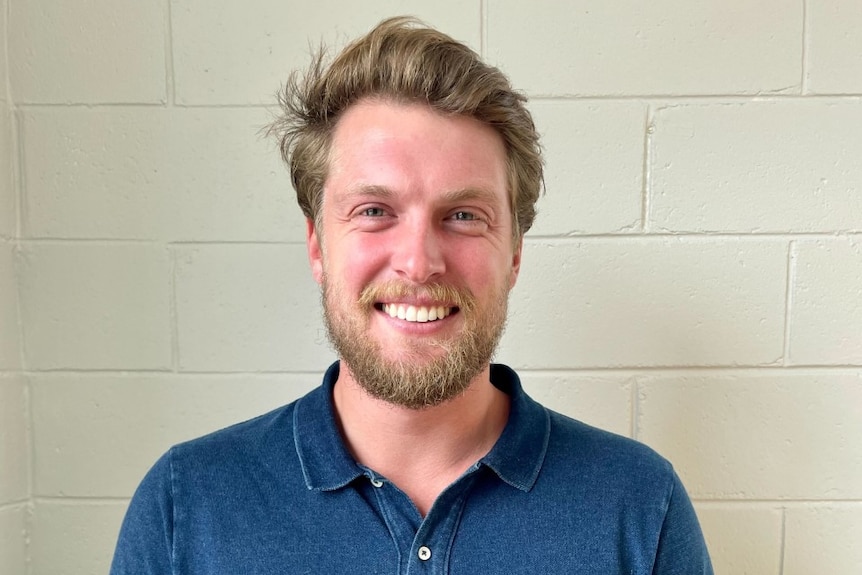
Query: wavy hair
{"x": 404, "y": 60}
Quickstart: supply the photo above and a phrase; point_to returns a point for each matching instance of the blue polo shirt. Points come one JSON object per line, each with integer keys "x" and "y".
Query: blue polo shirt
{"x": 280, "y": 494}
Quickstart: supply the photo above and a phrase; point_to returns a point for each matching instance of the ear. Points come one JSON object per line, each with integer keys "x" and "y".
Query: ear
{"x": 516, "y": 262}
{"x": 315, "y": 252}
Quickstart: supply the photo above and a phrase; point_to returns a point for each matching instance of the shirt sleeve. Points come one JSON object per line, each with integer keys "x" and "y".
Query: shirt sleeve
{"x": 146, "y": 537}
{"x": 681, "y": 547}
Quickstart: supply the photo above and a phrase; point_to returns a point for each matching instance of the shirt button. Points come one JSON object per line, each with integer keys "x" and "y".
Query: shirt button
{"x": 376, "y": 482}
{"x": 424, "y": 553}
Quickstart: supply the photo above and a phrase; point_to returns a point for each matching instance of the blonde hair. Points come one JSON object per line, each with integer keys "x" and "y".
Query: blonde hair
{"x": 406, "y": 61}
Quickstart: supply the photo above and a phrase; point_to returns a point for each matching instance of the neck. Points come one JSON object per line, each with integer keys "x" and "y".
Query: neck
{"x": 421, "y": 451}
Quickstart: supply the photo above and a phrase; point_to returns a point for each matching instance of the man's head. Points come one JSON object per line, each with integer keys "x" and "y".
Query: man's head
{"x": 418, "y": 169}
{"x": 403, "y": 61}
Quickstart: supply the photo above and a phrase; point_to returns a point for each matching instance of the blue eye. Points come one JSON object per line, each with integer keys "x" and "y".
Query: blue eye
{"x": 373, "y": 212}
{"x": 464, "y": 216}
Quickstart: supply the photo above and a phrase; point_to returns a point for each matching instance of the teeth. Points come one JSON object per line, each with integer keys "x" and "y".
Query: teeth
{"x": 412, "y": 313}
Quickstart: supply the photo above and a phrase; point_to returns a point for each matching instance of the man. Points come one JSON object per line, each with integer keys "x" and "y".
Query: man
{"x": 418, "y": 168}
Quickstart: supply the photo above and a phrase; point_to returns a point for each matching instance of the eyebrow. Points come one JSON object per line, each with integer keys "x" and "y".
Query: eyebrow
{"x": 382, "y": 192}
{"x": 366, "y": 190}
{"x": 465, "y": 194}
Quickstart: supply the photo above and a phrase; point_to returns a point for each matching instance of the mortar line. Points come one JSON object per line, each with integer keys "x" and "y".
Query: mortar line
{"x": 97, "y": 371}
{"x": 13, "y": 504}
{"x": 782, "y": 546}
{"x": 737, "y": 235}
{"x": 16, "y": 163}
{"x": 18, "y": 183}
{"x": 80, "y": 499}
{"x": 690, "y": 369}
{"x": 112, "y": 373}
{"x": 804, "y": 79}
{"x": 89, "y": 105}
{"x": 627, "y": 371}
{"x": 656, "y": 99}
{"x": 20, "y": 208}
{"x": 170, "y": 86}
{"x": 653, "y": 236}
{"x": 266, "y": 107}
{"x": 646, "y": 172}
{"x": 31, "y": 470}
{"x": 17, "y": 177}
{"x": 193, "y": 243}
{"x": 675, "y": 100}
{"x": 624, "y": 371}
{"x": 172, "y": 311}
{"x": 781, "y": 503}
{"x": 634, "y": 430}
{"x": 159, "y": 242}
{"x": 8, "y": 85}
{"x": 28, "y": 438}
{"x": 788, "y": 300}
{"x": 483, "y": 29}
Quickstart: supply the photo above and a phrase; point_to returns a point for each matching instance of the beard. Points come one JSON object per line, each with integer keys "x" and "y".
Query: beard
{"x": 430, "y": 370}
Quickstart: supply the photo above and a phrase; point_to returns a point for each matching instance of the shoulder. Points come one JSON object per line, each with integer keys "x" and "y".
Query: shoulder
{"x": 608, "y": 462}
{"x": 573, "y": 457}
{"x": 627, "y": 491}
{"x": 591, "y": 442}
{"x": 249, "y": 437}
{"x": 236, "y": 456}
{"x": 204, "y": 474}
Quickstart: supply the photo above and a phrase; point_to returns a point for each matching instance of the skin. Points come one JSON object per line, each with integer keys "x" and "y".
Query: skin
{"x": 415, "y": 197}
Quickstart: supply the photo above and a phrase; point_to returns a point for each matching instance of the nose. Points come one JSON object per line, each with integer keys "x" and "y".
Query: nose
{"x": 418, "y": 253}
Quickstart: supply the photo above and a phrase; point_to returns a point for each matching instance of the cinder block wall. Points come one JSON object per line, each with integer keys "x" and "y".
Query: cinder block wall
{"x": 14, "y": 413}
{"x": 694, "y": 279}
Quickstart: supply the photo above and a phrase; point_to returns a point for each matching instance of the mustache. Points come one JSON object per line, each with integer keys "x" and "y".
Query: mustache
{"x": 392, "y": 290}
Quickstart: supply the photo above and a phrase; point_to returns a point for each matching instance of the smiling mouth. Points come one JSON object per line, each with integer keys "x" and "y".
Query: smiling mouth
{"x": 416, "y": 313}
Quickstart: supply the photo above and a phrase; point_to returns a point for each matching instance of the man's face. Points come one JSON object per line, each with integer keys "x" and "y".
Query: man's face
{"x": 415, "y": 251}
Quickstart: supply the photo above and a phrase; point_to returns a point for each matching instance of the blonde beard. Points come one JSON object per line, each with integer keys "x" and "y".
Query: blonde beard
{"x": 425, "y": 377}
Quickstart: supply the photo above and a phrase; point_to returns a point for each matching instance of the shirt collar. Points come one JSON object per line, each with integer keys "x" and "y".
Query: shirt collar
{"x": 518, "y": 455}
{"x": 327, "y": 465}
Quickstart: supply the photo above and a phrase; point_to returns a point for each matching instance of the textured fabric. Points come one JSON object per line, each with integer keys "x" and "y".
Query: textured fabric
{"x": 280, "y": 494}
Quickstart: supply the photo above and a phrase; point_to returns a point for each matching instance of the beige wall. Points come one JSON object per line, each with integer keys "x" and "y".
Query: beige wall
{"x": 14, "y": 413}
{"x": 694, "y": 279}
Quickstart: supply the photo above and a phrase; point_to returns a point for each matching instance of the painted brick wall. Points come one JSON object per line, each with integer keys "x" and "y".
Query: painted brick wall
{"x": 694, "y": 279}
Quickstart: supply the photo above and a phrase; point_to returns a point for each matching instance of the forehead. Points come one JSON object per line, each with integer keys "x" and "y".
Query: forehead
{"x": 411, "y": 147}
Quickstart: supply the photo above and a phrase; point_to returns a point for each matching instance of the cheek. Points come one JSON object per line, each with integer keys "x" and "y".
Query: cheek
{"x": 480, "y": 270}
{"x": 355, "y": 264}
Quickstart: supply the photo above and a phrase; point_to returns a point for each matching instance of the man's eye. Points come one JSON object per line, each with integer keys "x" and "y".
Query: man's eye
{"x": 373, "y": 212}
{"x": 464, "y": 216}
